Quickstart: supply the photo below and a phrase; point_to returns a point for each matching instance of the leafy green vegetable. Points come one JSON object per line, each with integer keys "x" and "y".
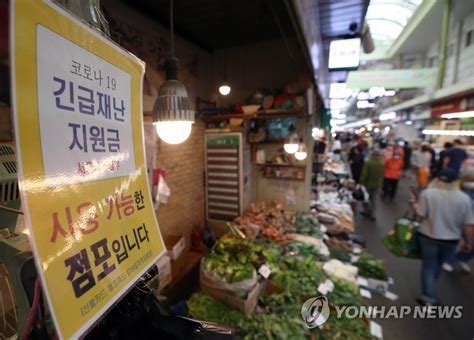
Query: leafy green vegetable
{"x": 344, "y": 328}
{"x": 345, "y": 293}
{"x": 371, "y": 267}
{"x": 303, "y": 249}
{"x": 306, "y": 224}
{"x": 340, "y": 254}
{"x": 282, "y": 321}
{"x": 300, "y": 277}
{"x": 235, "y": 260}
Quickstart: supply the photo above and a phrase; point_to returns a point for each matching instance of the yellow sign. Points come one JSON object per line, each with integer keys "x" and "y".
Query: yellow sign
{"x": 82, "y": 174}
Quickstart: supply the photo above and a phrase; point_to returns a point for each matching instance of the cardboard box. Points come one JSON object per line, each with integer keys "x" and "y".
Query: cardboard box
{"x": 246, "y": 305}
{"x": 164, "y": 271}
{"x": 175, "y": 246}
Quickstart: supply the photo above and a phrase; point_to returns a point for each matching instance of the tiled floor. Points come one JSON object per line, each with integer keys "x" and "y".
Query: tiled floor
{"x": 454, "y": 288}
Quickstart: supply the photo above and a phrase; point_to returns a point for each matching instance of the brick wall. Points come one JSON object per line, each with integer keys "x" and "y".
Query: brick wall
{"x": 184, "y": 165}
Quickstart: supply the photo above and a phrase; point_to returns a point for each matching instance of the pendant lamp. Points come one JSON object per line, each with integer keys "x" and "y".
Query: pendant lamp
{"x": 301, "y": 154}
{"x": 173, "y": 112}
{"x": 291, "y": 142}
{"x": 224, "y": 88}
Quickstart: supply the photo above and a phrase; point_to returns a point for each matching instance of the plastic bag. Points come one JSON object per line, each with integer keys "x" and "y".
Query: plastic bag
{"x": 403, "y": 239}
{"x": 212, "y": 280}
{"x": 163, "y": 192}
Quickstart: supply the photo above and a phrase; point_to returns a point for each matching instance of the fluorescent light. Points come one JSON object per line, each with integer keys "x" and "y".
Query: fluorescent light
{"x": 390, "y": 93}
{"x": 388, "y": 116}
{"x": 337, "y": 104}
{"x": 464, "y": 114}
{"x": 337, "y": 122}
{"x": 387, "y": 129}
{"x": 365, "y": 104}
{"x": 334, "y": 112}
{"x": 449, "y": 132}
{"x": 358, "y": 123}
{"x": 408, "y": 122}
{"x": 339, "y": 91}
{"x": 376, "y": 91}
{"x": 376, "y": 130}
{"x": 339, "y": 116}
{"x": 363, "y": 96}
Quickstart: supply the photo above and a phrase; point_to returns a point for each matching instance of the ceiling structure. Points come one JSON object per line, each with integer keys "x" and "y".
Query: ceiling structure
{"x": 387, "y": 19}
{"x": 214, "y": 24}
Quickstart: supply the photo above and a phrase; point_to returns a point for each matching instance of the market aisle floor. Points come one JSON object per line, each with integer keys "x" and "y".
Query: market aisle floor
{"x": 454, "y": 288}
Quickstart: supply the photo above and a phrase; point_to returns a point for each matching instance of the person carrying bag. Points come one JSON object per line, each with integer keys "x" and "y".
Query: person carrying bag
{"x": 403, "y": 239}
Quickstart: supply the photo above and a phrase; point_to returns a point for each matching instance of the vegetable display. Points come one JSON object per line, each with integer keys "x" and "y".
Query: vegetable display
{"x": 340, "y": 254}
{"x": 371, "y": 267}
{"x": 306, "y": 224}
{"x": 303, "y": 249}
{"x": 299, "y": 277}
{"x": 235, "y": 260}
{"x": 291, "y": 245}
{"x": 345, "y": 293}
{"x": 344, "y": 328}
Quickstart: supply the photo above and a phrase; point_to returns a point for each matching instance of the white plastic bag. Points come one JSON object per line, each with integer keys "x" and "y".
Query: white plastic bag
{"x": 163, "y": 192}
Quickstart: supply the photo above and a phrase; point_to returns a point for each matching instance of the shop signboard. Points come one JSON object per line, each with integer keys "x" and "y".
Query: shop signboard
{"x": 82, "y": 174}
{"x": 453, "y": 105}
{"x": 392, "y": 79}
{"x": 344, "y": 54}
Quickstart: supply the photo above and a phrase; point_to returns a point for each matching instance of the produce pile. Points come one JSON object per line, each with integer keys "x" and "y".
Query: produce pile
{"x": 371, "y": 267}
{"x": 273, "y": 221}
{"x": 235, "y": 260}
{"x": 297, "y": 249}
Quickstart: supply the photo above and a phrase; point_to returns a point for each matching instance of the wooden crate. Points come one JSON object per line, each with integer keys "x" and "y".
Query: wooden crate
{"x": 246, "y": 306}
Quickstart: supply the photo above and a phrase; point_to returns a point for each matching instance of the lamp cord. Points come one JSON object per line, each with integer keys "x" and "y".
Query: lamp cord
{"x": 172, "y": 27}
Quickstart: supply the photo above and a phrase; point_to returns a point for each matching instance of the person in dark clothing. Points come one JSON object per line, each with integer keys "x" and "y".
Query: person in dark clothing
{"x": 455, "y": 157}
{"x": 406, "y": 156}
{"x": 434, "y": 161}
{"x": 442, "y": 155}
{"x": 356, "y": 161}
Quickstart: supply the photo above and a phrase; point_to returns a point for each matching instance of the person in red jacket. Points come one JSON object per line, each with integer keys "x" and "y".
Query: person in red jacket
{"x": 393, "y": 170}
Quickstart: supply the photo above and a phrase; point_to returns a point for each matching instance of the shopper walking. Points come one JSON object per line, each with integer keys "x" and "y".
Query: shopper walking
{"x": 455, "y": 157}
{"x": 356, "y": 161}
{"x": 424, "y": 164}
{"x": 461, "y": 258}
{"x": 406, "y": 156}
{"x": 372, "y": 178}
{"x": 392, "y": 171}
{"x": 442, "y": 156}
{"x": 444, "y": 211}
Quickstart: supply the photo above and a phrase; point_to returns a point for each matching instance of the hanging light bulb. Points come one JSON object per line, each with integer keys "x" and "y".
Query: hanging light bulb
{"x": 173, "y": 113}
{"x": 291, "y": 142}
{"x": 301, "y": 154}
{"x": 224, "y": 89}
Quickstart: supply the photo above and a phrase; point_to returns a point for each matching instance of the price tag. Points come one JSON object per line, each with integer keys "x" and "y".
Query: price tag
{"x": 365, "y": 293}
{"x": 265, "y": 271}
{"x": 362, "y": 281}
{"x": 376, "y": 330}
{"x": 354, "y": 258}
{"x": 323, "y": 289}
{"x": 329, "y": 284}
{"x": 391, "y": 296}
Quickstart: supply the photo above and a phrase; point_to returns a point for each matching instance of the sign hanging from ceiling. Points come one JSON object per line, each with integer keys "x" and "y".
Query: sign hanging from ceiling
{"x": 82, "y": 174}
{"x": 344, "y": 54}
{"x": 392, "y": 79}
